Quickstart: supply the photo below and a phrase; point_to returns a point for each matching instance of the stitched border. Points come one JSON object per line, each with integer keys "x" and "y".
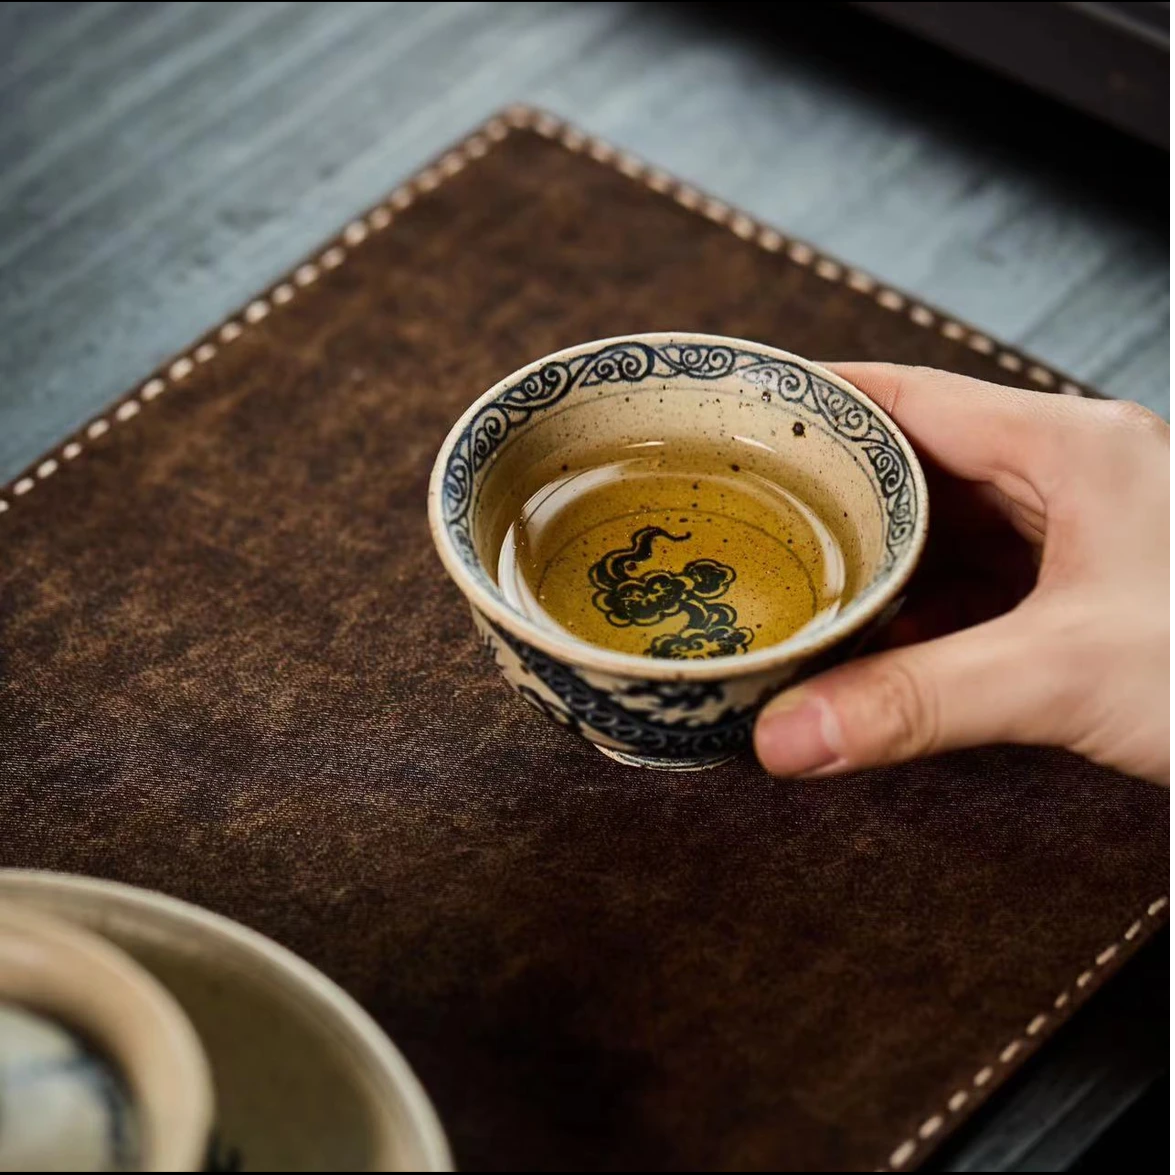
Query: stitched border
{"x": 985, "y": 1080}
{"x": 798, "y": 252}
{"x": 172, "y": 374}
{"x": 432, "y": 176}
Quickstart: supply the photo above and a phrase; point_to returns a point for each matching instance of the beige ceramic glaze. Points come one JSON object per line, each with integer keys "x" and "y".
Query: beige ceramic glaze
{"x": 99, "y": 1068}
{"x": 304, "y": 1079}
{"x": 782, "y": 419}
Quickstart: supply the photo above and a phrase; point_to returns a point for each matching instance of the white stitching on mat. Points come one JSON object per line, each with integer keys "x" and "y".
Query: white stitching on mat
{"x": 770, "y": 240}
{"x": 900, "y": 1157}
{"x": 930, "y": 1127}
{"x": 800, "y": 253}
{"x": 742, "y": 226}
{"x": 475, "y": 146}
{"x": 302, "y": 277}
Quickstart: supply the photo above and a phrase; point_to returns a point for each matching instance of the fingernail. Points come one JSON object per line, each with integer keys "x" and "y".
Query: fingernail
{"x": 798, "y": 734}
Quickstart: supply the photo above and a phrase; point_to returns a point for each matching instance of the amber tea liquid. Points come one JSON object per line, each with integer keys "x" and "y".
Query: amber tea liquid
{"x": 665, "y": 557}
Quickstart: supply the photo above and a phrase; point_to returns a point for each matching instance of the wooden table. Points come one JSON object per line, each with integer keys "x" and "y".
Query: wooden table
{"x": 159, "y": 162}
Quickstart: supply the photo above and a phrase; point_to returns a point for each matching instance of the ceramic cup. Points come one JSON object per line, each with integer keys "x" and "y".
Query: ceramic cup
{"x": 840, "y": 452}
{"x": 304, "y": 1079}
{"x": 99, "y": 1068}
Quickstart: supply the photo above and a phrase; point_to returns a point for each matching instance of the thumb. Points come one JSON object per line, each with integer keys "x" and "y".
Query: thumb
{"x": 981, "y": 685}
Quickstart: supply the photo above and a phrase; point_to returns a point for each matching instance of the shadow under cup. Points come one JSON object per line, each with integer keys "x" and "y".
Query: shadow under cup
{"x": 776, "y": 419}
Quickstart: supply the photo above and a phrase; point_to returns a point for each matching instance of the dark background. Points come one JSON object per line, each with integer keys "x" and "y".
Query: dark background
{"x": 160, "y": 162}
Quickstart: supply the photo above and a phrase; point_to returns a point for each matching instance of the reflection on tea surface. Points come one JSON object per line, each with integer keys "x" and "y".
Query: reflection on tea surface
{"x": 658, "y": 554}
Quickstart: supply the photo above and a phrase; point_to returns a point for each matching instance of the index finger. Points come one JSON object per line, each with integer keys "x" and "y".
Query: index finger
{"x": 974, "y": 429}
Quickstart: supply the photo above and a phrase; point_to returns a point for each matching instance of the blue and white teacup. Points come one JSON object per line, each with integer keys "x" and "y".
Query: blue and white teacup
{"x": 791, "y": 415}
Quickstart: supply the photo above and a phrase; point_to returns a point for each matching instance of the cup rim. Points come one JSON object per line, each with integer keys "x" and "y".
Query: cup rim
{"x": 583, "y": 655}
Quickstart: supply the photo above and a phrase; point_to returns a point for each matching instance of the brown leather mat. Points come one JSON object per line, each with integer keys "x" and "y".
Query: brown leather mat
{"x": 234, "y": 671}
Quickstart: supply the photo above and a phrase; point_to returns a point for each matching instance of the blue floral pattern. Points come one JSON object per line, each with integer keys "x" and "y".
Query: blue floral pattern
{"x": 581, "y": 705}
{"x": 853, "y": 422}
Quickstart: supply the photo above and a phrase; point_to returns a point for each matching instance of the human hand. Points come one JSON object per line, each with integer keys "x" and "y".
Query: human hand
{"x": 1049, "y": 557}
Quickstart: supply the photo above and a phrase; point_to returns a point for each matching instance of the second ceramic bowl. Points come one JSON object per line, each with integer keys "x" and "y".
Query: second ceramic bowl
{"x": 304, "y": 1079}
{"x": 99, "y": 1068}
{"x": 792, "y": 419}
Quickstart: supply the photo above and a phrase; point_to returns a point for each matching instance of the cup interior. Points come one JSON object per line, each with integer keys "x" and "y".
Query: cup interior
{"x": 769, "y": 414}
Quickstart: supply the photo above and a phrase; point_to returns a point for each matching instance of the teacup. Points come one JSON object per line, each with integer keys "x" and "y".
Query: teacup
{"x": 841, "y": 453}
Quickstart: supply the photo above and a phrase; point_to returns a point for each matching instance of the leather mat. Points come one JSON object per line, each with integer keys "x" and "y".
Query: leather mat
{"x": 234, "y": 671}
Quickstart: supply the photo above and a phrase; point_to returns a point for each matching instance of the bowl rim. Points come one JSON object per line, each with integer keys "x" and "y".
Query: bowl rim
{"x": 106, "y": 908}
{"x": 114, "y": 1002}
{"x": 583, "y": 655}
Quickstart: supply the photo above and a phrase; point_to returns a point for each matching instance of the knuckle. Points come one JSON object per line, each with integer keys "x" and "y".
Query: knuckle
{"x": 903, "y": 380}
{"x": 886, "y": 385}
{"x": 1131, "y": 417}
{"x": 1069, "y": 655}
{"x": 1063, "y": 664}
{"x": 902, "y": 710}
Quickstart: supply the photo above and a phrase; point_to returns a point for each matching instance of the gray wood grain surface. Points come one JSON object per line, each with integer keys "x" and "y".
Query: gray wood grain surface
{"x": 160, "y": 162}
